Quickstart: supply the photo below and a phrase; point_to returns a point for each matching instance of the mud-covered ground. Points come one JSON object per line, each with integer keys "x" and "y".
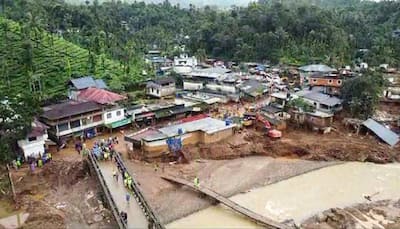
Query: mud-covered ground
{"x": 303, "y": 144}
{"x": 60, "y": 195}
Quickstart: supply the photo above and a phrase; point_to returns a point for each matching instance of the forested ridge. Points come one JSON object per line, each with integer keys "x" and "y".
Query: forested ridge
{"x": 292, "y": 32}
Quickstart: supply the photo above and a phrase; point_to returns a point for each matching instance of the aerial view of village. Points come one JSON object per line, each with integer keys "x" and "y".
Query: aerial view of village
{"x": 199, "y": 114}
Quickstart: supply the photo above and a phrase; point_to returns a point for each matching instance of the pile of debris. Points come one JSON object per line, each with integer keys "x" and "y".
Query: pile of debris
{"x": 380, "y": 214}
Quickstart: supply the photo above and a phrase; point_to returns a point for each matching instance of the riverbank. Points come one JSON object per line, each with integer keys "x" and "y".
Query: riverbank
{"x": 378, "y": 214}
{"x": 303, "y": 196}
{"x": 227, "y": 177}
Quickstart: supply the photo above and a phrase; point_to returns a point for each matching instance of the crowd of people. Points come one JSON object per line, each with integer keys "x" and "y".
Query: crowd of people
{"x": 103, "y": 149}
{"x": 34, "y": 162}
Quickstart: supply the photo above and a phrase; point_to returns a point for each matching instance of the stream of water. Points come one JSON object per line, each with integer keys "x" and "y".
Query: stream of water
{"x": 302, "y": 196}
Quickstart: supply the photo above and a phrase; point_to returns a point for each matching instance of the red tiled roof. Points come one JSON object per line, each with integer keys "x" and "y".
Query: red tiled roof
{"x": 100, "y": 96}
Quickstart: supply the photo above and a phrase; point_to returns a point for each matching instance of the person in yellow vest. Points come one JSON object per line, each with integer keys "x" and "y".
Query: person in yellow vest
{"x": 40, "y": 163}
{"x": 196, "y": 182}
{"x": 49, "y": 156}
{"x": 130, "y": 182}
{"x": 105, "y": 156}
{"x": 126, "y": 182}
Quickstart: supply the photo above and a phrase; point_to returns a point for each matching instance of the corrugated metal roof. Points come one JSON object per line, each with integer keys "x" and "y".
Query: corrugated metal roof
{"x": 382, "y": 132}
{"x": 88, "y": 81}
{"x": 69, "y": 108}
{"x": 319, "y": 97}
{"x": 317, "y": 68}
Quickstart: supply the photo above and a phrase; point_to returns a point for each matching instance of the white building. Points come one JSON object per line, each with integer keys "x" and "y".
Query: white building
{"x": 161, "y": 87}
{"x": 184, "y": 64}
{"x": 34, "y": 143}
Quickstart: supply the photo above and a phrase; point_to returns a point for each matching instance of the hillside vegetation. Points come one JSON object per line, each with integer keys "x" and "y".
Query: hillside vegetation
{"x": 45, "y": 62}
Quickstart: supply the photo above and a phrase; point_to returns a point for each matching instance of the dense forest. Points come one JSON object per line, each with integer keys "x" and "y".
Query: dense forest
{"x": 292, "y": 32}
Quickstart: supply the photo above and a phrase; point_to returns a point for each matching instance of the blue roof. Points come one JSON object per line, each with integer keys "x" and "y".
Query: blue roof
{"x": 382, "y": 132}
{"x": 88, "y": 81}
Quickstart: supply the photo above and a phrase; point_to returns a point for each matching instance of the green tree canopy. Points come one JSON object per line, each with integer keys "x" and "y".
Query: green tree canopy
{"x": 16, "y": 116}
{"x": 361, "y": 94}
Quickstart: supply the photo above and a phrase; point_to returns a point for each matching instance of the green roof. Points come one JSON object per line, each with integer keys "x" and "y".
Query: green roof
{"x": 119, "y": 123}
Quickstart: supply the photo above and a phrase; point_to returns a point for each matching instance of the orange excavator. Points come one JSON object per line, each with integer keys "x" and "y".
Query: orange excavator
{"x": 251, "y": 118}
{"x": 272, "y": 133}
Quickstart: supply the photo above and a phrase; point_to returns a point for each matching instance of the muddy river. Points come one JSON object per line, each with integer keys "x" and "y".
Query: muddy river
{"x": 305, "y": 195}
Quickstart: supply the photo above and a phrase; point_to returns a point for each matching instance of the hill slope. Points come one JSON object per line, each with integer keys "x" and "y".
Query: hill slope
{"x": 54, "y": 61}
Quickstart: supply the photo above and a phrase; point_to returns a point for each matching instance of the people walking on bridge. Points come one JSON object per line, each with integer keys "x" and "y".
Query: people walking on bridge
{"x": 127, "y": 197}
{"x": 115, "y": 174}
{"x": 124, "y": 217}
{"x": 196, "y": 182}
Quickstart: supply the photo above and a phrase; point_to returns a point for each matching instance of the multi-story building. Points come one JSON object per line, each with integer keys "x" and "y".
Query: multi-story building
{"x": 72, "y": 118}
{"x": 328, "y": 83}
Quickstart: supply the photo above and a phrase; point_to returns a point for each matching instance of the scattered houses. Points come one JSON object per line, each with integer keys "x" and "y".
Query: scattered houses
{"x": 161, "y": 87}
{"x": 75, "y": 86}
{"x": 113, "y": 114}
{"x": 253, "y": 89}
{"x": 327, "y": 83}
{"x": 308, "y": 70}
{"x": 184, "y": 64}
{"x": 320, "y": 101}
{"x": 34, "y": 143}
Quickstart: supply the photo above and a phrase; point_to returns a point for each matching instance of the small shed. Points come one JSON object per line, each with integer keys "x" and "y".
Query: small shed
{"x": 382, "y": 132}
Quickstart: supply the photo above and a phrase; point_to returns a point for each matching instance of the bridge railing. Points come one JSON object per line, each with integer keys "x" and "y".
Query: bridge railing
{"x": 114, "y": 209}
{"x": 152, "y": 218}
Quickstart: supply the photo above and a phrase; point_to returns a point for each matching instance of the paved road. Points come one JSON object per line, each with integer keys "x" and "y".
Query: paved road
{"x": 136, "y": 217}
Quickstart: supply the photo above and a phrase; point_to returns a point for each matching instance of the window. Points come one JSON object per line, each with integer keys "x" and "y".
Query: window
{"x": 97, "y": 118}
{"x": 118, "y": 113}
{"x": 339, "y": 82}
{"x": 31, "y": 139}
{"x": 158, "y": 91}
{"x": 75, "y": 124}
{"x": 109, "y": 115}
{"x": 314, "y": 80}
{"x": 63, "y": 127}
{"x": 330, "y": 81}
{"x": 84, "y": 121}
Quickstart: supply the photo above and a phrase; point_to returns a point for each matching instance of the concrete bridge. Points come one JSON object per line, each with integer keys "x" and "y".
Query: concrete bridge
{"x": 140, "y": 215}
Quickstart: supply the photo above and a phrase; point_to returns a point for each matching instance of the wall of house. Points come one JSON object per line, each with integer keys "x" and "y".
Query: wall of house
{"x": 192, "y": 85}
{"x": 192, "y": 138}
{"x": 33, "y": 148}
{"x": 161, "y": 91}
{"x": 319, "y": 121}
{"x": 168, "y": 90}
{"x": 161, "y": 145}
{"x": 84, "y": 123}
{"x": 222, "y": 87}
{"x": 330, "y": 82}
{"x": 217, "y": 136}
{"x": 113, "y": 115}
{"x": 183, "y": 69}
